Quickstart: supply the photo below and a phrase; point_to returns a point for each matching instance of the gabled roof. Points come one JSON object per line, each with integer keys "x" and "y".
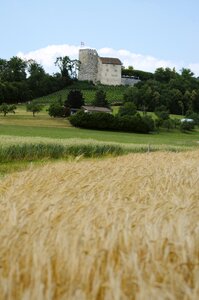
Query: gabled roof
{"x": 110, "y": 61}
{"x": 90, "y": 108}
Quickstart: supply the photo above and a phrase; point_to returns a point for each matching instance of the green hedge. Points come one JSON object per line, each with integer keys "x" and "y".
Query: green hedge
{"x": 104, "y": 121}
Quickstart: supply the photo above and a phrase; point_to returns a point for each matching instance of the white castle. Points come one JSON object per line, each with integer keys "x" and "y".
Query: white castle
{"x": 105, "y": 70}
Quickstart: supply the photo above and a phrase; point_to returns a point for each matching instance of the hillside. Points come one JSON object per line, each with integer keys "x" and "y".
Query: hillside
{"x": 118, "y": 228}
{"x": 113, "y": 93}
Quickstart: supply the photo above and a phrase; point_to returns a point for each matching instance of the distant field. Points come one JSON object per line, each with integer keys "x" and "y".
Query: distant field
{"x": 24, "y": 118}
{"x": 22, "y": 128}
{"x": 42, "y": 125}
{"x": 163, "y": 138}
{"x": 117, "y": 228}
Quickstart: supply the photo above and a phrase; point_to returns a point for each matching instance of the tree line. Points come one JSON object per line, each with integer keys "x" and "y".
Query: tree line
{"x": 178, "y": 93}
{"x": 23, "y": 80}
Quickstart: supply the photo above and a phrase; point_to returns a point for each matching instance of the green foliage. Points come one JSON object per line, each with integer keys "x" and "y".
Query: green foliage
{"x": 103, "y": 121}
{"x": 57, "y": 109}
{"x": 128, "y": 109}
{"x": 68, "y": 68}
{"x": 164, "y": 75}
{"x": 131, "y": 94}
{"x": 177, "y": 92}
{"x": 13, "y": 70}
{"x": 176, "y": 122}
{"x": 75, "y": 99}
{"x": 194, "y": 116}
{"x": 100, "y": 99}
{"x": 34, "y": 107}
{"x": 186, "y": 126}
{"x": 83, "y": 85}
{"x": 21, "y": 80}
{"x": 5, "y": 108}
{"x": 142, "y": 75}
{"x": 168, "y": 124}
{"x": 162, "y": 112}
{"x": 64, "y": 64}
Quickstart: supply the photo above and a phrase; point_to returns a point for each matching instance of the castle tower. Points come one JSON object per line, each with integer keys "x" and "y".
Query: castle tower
{"x": 88, "y": 65}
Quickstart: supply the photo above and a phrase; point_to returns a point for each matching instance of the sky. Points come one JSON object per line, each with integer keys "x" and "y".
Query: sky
{"x": 145, "y": 34}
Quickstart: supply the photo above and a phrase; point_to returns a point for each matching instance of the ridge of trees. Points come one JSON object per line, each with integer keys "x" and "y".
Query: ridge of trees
{"x": 23, "y": 80}
{"x": 179, "y": 93}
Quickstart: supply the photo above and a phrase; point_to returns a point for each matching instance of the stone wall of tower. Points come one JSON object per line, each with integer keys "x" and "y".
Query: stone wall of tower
{"x": 88, "y": 65}
{"x": 109, "y": 74}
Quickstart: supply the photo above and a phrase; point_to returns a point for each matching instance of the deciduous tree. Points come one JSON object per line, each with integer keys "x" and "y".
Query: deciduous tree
{"x": 34, "y": 107}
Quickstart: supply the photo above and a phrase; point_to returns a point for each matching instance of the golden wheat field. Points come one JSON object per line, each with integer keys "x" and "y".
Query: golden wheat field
{"x": 116, "y": 228}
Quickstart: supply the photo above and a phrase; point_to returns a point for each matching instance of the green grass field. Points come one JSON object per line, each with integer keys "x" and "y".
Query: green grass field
{"x": 59, "y": 131}
{"x": 163, "y": 138}
{"x": 22, "y": 123}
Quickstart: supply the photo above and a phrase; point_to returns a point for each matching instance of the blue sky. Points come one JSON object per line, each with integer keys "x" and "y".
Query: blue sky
{"x": 144, "y": 33}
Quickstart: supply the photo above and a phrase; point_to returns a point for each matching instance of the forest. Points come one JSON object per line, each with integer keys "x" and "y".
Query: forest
{"x": 177, "y": 92}
{"x": 23, "y": 80}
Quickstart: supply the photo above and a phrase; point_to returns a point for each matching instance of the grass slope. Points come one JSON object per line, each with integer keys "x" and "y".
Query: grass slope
{"x": 120, "y": 228}
{"x": 113, "y": 93}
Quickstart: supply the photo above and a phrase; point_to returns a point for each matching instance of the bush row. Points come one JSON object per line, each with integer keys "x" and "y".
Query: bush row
{"x": 104, "y": 121}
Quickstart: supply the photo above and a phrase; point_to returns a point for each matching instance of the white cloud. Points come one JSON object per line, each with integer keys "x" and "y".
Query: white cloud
{"x": 138, "y": 61}
{"x": 47, "y": 56}
{"x": 194, "y": 67}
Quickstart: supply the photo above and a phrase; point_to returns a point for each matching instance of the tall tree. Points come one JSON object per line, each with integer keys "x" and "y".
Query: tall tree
{"x": 16, "y": 69}
{"x": 64, "y": 65}
{"x": 100, "y": 99}
{"x": 164, "y": 75}
{"x": 75, "y": 99}
{"x": 3, "y": 69}
{"x": 131, "y": 94}
{"x": 75, "y": 65}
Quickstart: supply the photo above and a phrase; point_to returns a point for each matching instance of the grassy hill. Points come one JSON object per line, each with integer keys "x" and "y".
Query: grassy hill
{"x": 113, "y": 93}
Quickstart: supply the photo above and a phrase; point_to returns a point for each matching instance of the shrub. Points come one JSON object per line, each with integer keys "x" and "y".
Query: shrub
{"x": 5, "y": 108}
{"x": 168, "y": 124}
{"x": 194, "y": 116}
{"x": 104, "y": 121}
{"x": 58, "y": 110}
{"x": 162, "y": 112}
{"x": 129, "y": 109}
{"x": 186, "y": 126}
{"x": 34, "y": 107}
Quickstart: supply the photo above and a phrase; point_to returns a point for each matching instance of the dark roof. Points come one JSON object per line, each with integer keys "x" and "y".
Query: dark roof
{"x": 96, "y": 108}
{"x": 110, "y": 60}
